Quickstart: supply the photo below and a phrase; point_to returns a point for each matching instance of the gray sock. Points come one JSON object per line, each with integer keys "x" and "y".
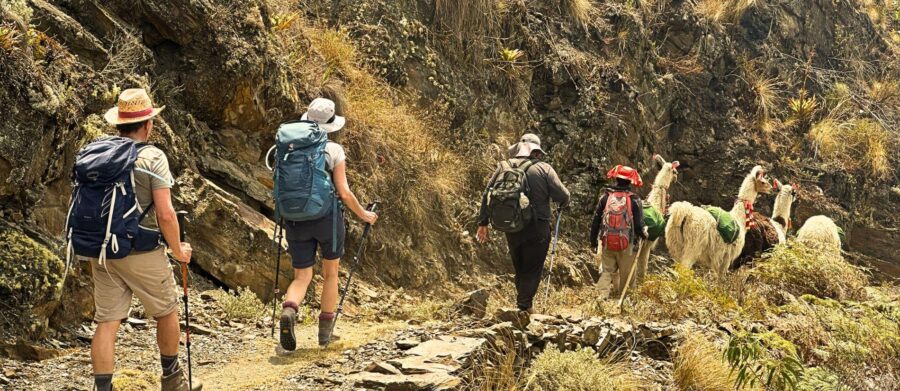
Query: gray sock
{"x": 103, "y": 382}
{"x": 169, "y": 364}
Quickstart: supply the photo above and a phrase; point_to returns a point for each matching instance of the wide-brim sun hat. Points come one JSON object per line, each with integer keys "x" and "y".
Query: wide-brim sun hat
{"x": 529, "y": 143}
{"x": 134, "y": 106}
{"x": 321, "y": 111}
{"x": 627, "y": 173}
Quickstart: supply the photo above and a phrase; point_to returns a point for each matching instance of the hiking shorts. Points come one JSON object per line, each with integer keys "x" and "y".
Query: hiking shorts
{"x": 303, "y": 237}
{"x": 146, "y": 275}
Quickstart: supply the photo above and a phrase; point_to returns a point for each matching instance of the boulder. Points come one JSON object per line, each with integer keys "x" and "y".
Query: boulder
{"x": 474, "y": 303}
{"x": 519, "y": 319}
{"x": 231, "y": 241}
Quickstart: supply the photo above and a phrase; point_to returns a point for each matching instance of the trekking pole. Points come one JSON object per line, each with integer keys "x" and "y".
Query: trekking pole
{"x": 362, "y": 246}
{"x": 552, "y": 256}
{"x": 631, "y": 273}
{"x": 279, "y": 232}
{"x": 184, "y": 283}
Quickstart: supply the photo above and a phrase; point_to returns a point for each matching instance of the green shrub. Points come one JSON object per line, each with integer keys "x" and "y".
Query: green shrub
{"x": 799, "y": 270}
{"x": 763, "y": 359}
{"x": 242, "y": 304}
{"x": 577, "y": 371}
{"x": 679, "y": 295}
{"x": 818, "y": 379}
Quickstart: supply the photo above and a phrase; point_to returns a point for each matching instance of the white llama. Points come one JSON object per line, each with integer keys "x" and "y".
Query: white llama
{"x": 821, "y": 233}
{"x": 692, "y": 235}
{"x": 658, "y": 198}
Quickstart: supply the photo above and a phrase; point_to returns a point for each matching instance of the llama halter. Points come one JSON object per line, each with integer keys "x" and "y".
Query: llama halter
{"x": 748, "y": 211}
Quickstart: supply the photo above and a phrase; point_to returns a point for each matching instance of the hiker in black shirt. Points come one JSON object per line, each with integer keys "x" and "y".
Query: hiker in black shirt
{"x": 528, "y": 247}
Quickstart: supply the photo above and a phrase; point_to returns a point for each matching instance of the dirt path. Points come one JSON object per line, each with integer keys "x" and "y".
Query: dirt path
{"x": 261, "y": 367}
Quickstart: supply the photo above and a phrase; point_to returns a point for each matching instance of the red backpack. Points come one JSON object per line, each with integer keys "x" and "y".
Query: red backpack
{"x": 617, "y": 221}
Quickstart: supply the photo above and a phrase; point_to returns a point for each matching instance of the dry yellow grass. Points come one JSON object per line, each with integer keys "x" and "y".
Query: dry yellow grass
{"x": 859, "y": 144}
{"x": 721, "y": 11}
{"x": 466, "y": 19}
{"x": 135, "y": 380}
{"x": 767, "y": 91}
{"x": 699, "y": 366}
{"x": 578, "y": 371}
{"x": 578, "y": 10}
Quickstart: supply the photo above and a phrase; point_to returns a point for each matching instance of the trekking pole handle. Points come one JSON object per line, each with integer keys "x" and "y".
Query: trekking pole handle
{"x": 372, "y": 206}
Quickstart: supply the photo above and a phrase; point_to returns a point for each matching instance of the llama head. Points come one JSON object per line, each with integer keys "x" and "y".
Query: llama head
{"x": 761, "y": 182}
{"x": 786, "y": 196}
{"x": 668, "y": 172}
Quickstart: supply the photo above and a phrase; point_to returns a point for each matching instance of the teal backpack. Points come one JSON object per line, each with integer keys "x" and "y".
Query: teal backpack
{"x": 303, "y": 187}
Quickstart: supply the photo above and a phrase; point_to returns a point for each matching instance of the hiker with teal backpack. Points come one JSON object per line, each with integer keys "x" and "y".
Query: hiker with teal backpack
{"x": 618, "y": 226}
{"x": 310, "y": 175}
{"x": 517, "y": 202}
{"x": 121, "y": 219}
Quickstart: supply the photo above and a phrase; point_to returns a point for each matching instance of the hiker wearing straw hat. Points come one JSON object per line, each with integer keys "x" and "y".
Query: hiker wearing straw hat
{"x": 618, "y": 225}
{"x": 131, "y": 258}
{"x": 517, "y": 202}
{"x": 311, "y": 211}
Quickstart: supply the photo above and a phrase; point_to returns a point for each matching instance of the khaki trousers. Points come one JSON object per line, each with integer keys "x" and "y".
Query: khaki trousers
{"x": 616, "y": 262}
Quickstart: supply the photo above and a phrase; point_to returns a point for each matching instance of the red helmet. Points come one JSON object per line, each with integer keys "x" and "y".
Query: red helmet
{"x": 625, "y": 172}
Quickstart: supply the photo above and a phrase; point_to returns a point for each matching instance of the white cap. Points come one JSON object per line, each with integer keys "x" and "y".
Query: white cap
{"x": 321, "y": 111}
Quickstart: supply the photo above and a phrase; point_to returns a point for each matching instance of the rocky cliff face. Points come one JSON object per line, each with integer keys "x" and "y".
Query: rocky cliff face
{"x": 434, "y": 92}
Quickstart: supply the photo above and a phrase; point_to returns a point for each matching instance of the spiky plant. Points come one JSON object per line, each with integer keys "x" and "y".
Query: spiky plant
{"x": 7, "y": 38}
{"x": 511, "y": 56}
{"x": 802, "y": 107}
{"x": 284, "y": 21}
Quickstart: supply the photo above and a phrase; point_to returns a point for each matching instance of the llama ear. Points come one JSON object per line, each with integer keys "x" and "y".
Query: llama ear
{"x": 776, "y": 184}
{"x": 795, "y": 186}
{"x": 675, "y": 165}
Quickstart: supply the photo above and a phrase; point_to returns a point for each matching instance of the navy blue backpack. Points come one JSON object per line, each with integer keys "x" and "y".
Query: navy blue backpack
{"x": 104, "y": 215}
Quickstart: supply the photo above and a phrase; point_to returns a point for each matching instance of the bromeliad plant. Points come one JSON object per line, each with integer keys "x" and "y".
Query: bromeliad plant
{"x": 803, "y": 107}
{"x": 511, "y": 56}
{"x": 763, "y": 359}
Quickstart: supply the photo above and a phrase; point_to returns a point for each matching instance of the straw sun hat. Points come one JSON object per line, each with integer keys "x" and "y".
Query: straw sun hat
{"x": 134, "y": 106}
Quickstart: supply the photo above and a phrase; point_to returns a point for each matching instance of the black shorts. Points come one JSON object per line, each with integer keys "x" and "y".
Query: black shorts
{"x": 303, "y": 237}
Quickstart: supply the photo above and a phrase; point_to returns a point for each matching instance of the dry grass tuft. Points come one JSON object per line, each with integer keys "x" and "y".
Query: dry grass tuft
{"x": 798, "y": 269}
{"x": 721, "y": 11}
{"x": 578, "y": 371}
{"x": 466, "y": 19}
{"x": 579, "y": 10}
{"x": 394, "y": 147}
{"x": 699, "y": 366}
{"x": 884, "y": 91}
{"x": 767, "y": 91}
{"x": 284, "y": 21}
{"x": 242, "y": 304}
{"x": 859, "y": 144}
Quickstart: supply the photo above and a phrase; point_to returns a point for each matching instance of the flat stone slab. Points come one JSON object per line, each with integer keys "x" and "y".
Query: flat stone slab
{"x": 457, "y": 348}
{"x": 428, "y": 381}
{"x": 414, "y": 365}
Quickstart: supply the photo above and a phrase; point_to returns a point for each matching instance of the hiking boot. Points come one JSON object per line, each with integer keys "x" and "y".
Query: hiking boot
{"x": 178, "y": 381}
{"x": 288, "y": 319}
{"x": 326, "y": 329}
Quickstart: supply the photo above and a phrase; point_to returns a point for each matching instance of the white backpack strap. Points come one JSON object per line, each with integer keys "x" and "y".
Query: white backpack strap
{"x": 112, "y": 206}
{"x": 153, "y": 174}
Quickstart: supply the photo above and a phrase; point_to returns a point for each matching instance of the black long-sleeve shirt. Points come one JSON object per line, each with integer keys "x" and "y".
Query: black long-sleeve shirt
{"x": 637, "y": 212}
{"x": 544, "y": 185}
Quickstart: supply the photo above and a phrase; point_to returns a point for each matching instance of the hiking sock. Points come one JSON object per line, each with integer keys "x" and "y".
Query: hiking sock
{"x": 103, "y": 382}
{"x": 291, "y": 305}
{"x": 326, "y": 326}
{"x": 169, "y": 364}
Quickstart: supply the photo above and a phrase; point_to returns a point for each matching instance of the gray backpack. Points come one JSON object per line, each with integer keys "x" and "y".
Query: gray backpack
{"x": 507, "y": 197}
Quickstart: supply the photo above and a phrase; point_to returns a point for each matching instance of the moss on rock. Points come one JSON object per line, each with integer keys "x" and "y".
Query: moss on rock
{"x": 30, "y": 282}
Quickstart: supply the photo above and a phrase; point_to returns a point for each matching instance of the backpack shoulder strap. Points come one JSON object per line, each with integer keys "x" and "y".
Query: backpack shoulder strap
{"x": 524, "y": 166}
